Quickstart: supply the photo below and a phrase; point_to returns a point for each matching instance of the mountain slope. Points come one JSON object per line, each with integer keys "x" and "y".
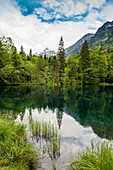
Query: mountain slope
{"x": 103, "y": 37}
{"x": 77, "y": 46}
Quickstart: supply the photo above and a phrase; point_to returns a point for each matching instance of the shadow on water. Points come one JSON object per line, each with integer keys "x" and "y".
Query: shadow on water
{"x": 89, "y": 105}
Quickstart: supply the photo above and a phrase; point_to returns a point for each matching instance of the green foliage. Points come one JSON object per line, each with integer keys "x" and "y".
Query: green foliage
{"x": 15, "y": 153}
{"x": 100, "y": 157}
{"x": 88, "y": 67}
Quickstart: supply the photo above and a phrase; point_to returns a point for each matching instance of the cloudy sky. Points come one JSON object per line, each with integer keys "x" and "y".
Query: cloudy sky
{"x": 38, "y": 24}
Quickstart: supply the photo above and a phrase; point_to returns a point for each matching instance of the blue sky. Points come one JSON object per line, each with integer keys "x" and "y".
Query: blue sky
{"x": 38, "y": 24}
{"x": 65, "y": 10}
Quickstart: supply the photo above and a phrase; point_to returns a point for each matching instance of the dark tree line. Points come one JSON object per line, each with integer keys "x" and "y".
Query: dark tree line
{"x": 87, "y": 67}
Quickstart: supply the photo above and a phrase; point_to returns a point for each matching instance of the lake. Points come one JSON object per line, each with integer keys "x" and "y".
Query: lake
{"x": 80, "y": 113}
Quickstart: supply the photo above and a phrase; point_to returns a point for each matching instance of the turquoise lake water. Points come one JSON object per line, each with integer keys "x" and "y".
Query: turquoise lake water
{"x": 81, "y": 114}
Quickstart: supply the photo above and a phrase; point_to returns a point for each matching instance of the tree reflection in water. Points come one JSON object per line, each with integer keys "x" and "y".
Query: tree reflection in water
{"x": 89, "y": 105}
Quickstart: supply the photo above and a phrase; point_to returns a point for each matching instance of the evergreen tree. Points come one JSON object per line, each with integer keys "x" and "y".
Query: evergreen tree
{"x": 22, "y": 53}
{"x": 85, "y": 63}
{"x": 85, "y": 57}
{"x": 61, "y": 58}
{"x": 45, "y": 57}
{"x": 21, "y": 49}
{"x": 30, "y": 53}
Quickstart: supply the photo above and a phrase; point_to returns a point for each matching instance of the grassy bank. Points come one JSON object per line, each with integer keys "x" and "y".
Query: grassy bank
{"x": 100, "y": 157}
{"x": 15, "y": 152}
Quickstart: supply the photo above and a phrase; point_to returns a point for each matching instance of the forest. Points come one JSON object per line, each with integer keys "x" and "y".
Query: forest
{"x": 89, "y": 66}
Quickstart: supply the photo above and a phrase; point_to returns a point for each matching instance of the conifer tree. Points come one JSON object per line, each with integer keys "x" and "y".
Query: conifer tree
{"x": 21, "y": 49}
{"x": 45, "y": 57}
{"x": 30, "y": 53}
{"x": 61, "y": 58}
{"x": 22, "y": 53}
{"x": 85, "y": 63}
{"x": 85, "y": 57}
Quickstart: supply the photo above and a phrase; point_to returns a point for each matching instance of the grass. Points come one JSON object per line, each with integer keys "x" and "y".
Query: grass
{"x": 99, "y": 157}
{"x": 15, "y": 152}
{"x": 54, "y": 166}
{"x": 48, "y": 132}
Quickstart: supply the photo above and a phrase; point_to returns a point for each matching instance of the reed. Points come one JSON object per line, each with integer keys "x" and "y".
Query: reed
{"x": 53, "y": 131}
{"x": 45, "y": 130}
{"x": 33, "y": 127}
{"x": 55, "y": 145}
{"x": 59, "y": 140}
{"x": 37, "y": 128}
{"x": 56, "y": 132}
{"x": 49, "y": 132}
{"x": 54, "y": 166}
{"x": 100, "y": 157}
{"x": 44, "y": 149}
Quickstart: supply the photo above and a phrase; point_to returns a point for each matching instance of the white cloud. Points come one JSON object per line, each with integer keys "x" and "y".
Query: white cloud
{"x": 58, "y": 16}
{"x": 51, "y": 3}
{"x": 70, "y": 8}
{"x": 32, "y": 33}
{"x": 79, "y": 17}
{"x": 92, "y": 16}
{"x": 40, "y": 11}
{"x": 43, "y": 13}
{"x": 67, "y": 8}
{"x": 92, "y": 19}
{"x": 80, "y": 8}
{"x": 107, "y": 13}
{"x": 95, "y": 3}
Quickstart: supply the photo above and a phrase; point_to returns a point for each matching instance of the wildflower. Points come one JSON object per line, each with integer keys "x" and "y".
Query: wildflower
{"x": 108, "y": 141}
{"x": 104, "y": 140}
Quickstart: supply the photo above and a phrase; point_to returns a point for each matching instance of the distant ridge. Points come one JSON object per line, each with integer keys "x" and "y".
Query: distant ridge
{"x": 103, "y": 37}
{"x": 77, "y": 46}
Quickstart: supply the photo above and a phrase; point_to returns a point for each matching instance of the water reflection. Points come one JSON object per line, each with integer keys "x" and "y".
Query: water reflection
{"x": 89, "y": 105}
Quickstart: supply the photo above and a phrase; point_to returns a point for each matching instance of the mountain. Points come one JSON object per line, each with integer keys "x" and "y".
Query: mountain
{"x": 48, "y": 53}
{"x": 103, "y": 37}
{"x": 77, "y": 46}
